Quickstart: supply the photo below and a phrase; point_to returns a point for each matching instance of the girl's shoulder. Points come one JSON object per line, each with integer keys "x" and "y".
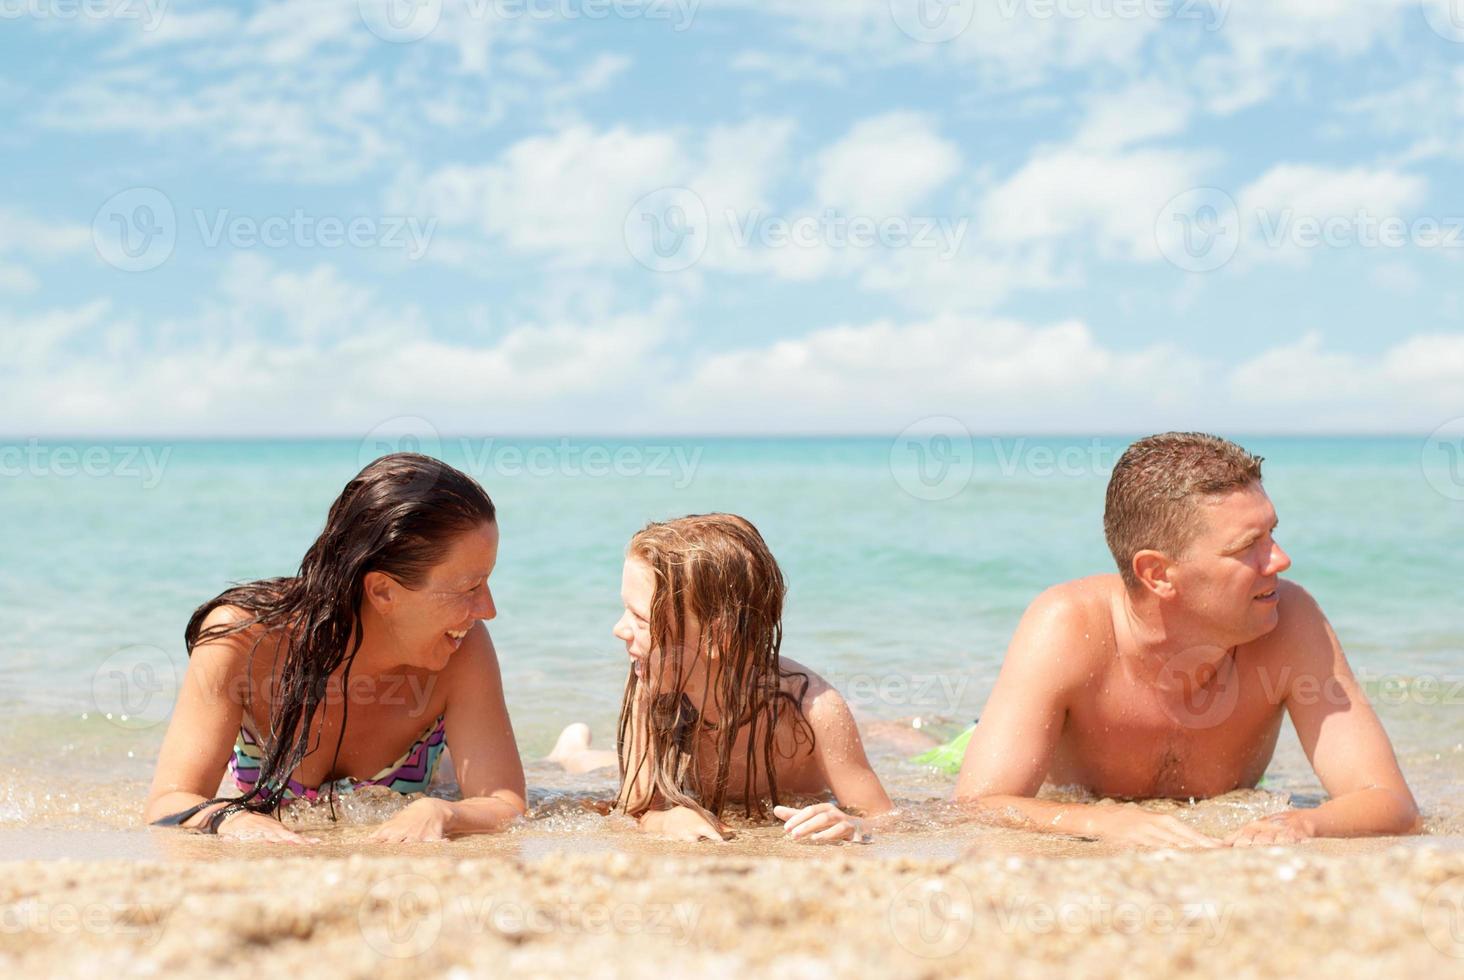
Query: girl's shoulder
{"x": 817, "y": 697}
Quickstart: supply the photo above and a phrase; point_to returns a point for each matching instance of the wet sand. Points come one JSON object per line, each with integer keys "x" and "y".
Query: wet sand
{"x": 85, "y": 890}
{"x": 1386, "y": 908}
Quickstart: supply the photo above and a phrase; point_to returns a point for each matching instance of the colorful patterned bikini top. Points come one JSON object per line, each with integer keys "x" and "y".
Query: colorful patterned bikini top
{"x": 412, "y": 773}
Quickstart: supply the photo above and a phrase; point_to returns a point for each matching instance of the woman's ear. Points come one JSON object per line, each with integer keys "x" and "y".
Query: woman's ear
{"x": 381, "y": 591}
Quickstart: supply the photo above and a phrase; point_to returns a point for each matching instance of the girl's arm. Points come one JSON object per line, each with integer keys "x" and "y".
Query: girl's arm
{"x": 485, "y": 756}
{"x": 839, "y": 752}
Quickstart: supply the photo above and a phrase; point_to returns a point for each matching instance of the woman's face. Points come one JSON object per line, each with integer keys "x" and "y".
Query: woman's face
{"x": 431, "y": 621}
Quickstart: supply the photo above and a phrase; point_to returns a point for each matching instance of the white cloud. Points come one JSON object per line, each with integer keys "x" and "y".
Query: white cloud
{"x": 1142, "y": 111}
{"x": 886, "y": 165}
{"x": 994, "y": 374}
{"x": 568, "y": 192}
{"x": 764, "y": 67}
{"x": 1414, "y": 385}
{"x": 299, "y": 353}
{"x": 1292, "y": 210}
{"x": 26, "y": 235}
{"x": 1075, "y": 195}
{"x": 17, "y": 279}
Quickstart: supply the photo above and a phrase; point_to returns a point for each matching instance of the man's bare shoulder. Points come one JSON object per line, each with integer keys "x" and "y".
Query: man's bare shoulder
{"x": 1069, "y": 626}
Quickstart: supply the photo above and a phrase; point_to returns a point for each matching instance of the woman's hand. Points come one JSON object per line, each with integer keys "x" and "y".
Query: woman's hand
{"x": 1286, "y": 827}
{"x": 684, "y": 824}
{"x": 256, "y": 826}
{"x": 426, "y": 819}
{"x": 821, "y": 823}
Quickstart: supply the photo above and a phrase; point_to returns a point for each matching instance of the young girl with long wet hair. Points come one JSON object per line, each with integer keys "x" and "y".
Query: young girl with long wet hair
{"x": 310, "y": 686}
{"x": 712, "y": 713}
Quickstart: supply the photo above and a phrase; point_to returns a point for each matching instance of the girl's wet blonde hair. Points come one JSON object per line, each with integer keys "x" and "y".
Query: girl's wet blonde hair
{"x": 718, "y": 591}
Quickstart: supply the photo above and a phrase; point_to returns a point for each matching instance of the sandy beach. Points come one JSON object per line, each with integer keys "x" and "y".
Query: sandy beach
{"x": 1387, "y": 908}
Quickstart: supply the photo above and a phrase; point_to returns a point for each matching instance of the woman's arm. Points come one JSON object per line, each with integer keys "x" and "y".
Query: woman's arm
{"x": 485, "y": 756}
{"x": 201, "y": 736}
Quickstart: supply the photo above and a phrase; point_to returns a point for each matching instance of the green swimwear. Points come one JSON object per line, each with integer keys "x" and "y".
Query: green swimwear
{"x": 947, "y": 757}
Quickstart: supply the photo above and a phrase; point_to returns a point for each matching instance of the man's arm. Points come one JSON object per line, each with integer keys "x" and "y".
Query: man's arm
{"x": 1009, "y": 753}
{"x": 1341, "y": 735}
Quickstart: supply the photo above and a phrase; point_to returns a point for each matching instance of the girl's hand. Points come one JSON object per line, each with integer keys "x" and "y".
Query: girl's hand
{"x": 256, "y": 826}
{"x": 821, "y": 823}
{"x": 684, "y": 824}
{"x": 426, "y": 819}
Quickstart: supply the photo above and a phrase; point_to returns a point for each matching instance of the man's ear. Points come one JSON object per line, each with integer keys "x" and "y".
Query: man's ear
{"x": 1153, "y": 570}
{"x": 381, "y": 591}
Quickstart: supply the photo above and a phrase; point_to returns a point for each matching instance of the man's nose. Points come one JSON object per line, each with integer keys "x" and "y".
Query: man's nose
{"x": 1280, "y": 561}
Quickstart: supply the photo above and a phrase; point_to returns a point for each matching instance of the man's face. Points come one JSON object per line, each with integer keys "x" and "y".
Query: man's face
{"x": 1229, "y": 573}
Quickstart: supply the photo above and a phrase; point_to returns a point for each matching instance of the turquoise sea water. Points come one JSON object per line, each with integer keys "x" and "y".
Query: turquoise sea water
{"x": 909, "y": 563}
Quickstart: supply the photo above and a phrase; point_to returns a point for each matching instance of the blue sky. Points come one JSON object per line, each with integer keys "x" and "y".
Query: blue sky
{"x": 667, "y": 216}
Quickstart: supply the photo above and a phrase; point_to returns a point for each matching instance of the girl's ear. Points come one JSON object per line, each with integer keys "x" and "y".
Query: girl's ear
{"x": 381, "y": 591}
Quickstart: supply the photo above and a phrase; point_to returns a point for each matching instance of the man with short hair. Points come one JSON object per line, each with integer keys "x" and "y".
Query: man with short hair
{"x": 1169, "y": 679}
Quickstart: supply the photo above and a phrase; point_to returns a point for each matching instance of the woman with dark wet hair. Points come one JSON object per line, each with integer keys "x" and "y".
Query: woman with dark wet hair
{"x": 357, "y": 671}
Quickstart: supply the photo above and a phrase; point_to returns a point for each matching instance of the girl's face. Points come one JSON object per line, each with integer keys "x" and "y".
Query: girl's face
{"x": 430, "y": 622}
{"x": 637, "y": 586}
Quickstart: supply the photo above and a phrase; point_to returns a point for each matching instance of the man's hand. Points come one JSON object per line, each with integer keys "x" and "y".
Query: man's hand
{"x": 426, "y": 819}
{"x": 1286, "y": 827}
{"x": 821, "y": 823}
{"x": 684, "y": 824}
{"x": 1139, "y": 828}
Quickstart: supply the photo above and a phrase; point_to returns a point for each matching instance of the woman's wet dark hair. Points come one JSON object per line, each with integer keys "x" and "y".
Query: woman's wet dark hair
{"x": 399, "y": 516}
